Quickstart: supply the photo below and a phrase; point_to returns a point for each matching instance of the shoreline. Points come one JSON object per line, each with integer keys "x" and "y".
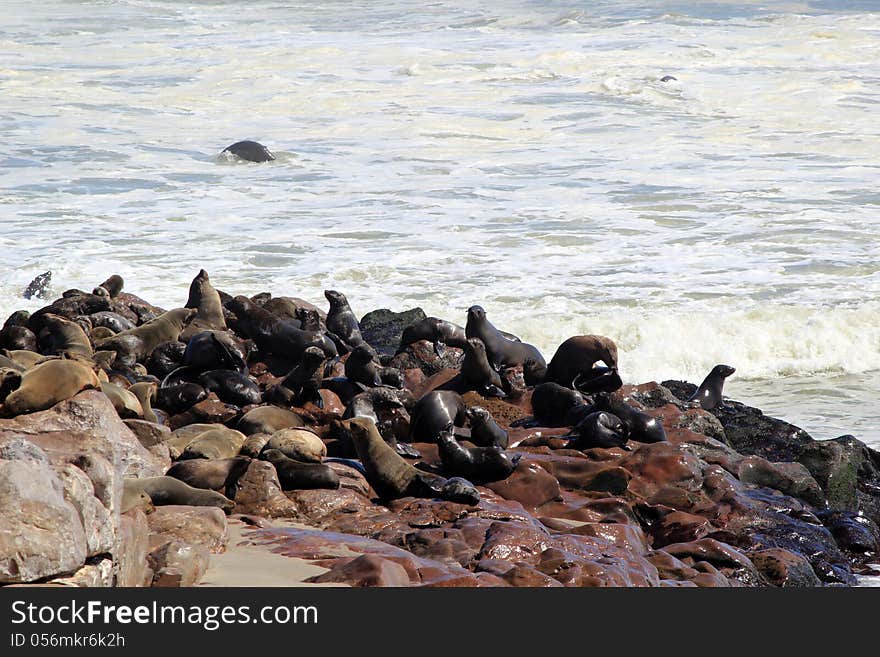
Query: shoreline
{"x": 716, "y": 496}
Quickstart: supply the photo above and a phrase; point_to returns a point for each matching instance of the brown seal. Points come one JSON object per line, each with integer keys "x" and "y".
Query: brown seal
{"x": 578, "y": 355}
{"x": 168, "y": 490}
{"x": 205, "y": 299}
{"x": 138, "y": 343}
{"x": 61, "y": 336}
{"x": 268, "y": 419}
{"x": 48, "y": 383}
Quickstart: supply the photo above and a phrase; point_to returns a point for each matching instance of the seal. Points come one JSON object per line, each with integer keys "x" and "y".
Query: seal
{"x": 110, "y": 320}
{"x": 386, "y": 471}
{"x": 231, "y": 387}
{"x": 24, "y": 358}
{"x": 182, "y": 437}
{"x": 599, "y": 429}
{"x": 220, "y": 443}
{"x": 480, "y": 465}
{"x": 485, "y": 432}
{"x": 552, "y": 404}
{"x": 598, "y": 379}
{"x": 15, "y": 334}
{"x": 205, "y": 299}
{"x": 137, "y": 344}
{"x": 145, "y": 391}
{"x": 112, "y": 285}
{"x": 502, "y": 351}
{"x": 179, "y": 398}
{"x": 303, "y": 383}
{"x": 640, "y": 427}
{"x": 250, "y": 151}
{"x": 577, "y": 355}
{"x": 433, "y": 412}
{"x": 342, "y": 323}
{"x": 383, "y": 406}
{"x": 61, "y": 336}
{"x": 168, "y": 490}
{"x": 361, "y": 367}
{"x": 10, "y": 379}
{"x": 709, "y": 393}
{"x": 166, "y": 358}
{"x": 254, "y": 445}
{"x": 126, "y": 403}
{"x": 215, "y": 474}
{"x": 293, "y": 475}
{"x": 274, "y": 335}
{"x": 475, "y": 368}
{"x": 436, "y": 330}
{"x": 48, "y": 383}
{"x": 208, "y": 350}
{"x": 298, "y": 444}
{"x": 268, "y": 419}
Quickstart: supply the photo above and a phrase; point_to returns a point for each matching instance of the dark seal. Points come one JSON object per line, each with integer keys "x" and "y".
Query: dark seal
{"x": 251, "y": 151}
{"x": 502, "y": 351}
{"x": 709, "y": 392}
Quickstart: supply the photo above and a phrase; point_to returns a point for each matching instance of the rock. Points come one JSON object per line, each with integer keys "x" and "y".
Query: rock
{"x": 749, "y": 432}
{"x": 835, "y": 464}
{"x": 99, "y": 526}
{"x": 96, "y": 573}
{"x": 529, "y": 484}
{"x": 258, "y": 492}
{"x": 208, "y": 411}
{"x": 366, "y": 570}
{"x": 421, "y": 355}
{"x": 131, "y": 556}
{"x": 86, "y": 425}
{"x": 783, "y": 568}
{"x": 789, "y": 478}
{"x": 41, "y": 534}
{"x": 153, "y": 437}
{"x": 382, "y": 329}
{"x": 176, "y": 564}
{"x": 192, "y": 525}
{"x": 856, "y": 535}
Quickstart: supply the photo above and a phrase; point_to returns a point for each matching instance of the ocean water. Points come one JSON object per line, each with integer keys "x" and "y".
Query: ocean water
{"x": 530, "y": 157}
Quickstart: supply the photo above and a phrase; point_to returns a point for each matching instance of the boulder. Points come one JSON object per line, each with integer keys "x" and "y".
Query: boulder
{"x": 192, "y": 525}
{"x": 383, "y": 328}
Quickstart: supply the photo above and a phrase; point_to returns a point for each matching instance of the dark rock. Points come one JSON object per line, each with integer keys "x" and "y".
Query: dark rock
{"x": 421, "y": 355}
{"x": 835, "y": 464}
{"x": 783, "y": 568}
{"x": 382, "y": 329}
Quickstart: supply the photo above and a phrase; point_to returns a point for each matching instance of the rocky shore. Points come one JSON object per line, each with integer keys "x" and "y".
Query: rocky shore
{"x": 134, "y": 440}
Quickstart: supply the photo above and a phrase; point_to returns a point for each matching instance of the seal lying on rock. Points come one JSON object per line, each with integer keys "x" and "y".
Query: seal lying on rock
{"x": 392, "y": 477}
{"x": 433, "y": 329}
{"x": 599, "y": 429}
{"x": 302, "y": 384}
{"x": 48, "y": 383}
{"x": 554, "y": 404}
{"x": 478, "y": 464}
{"x": 136, "y": 344}
{"x": 640, "y": 427}
{"x": 268, "y": 419}
{"x": 294, "y": 475}
{"x": 433, "y": 412}
{"x": 168, "y": 490}
{"x": 502, "y": 351}
{"x": 231, "y": 387}
{"x": 61, "y": 336}
{"x": 213, "y": 474}
{"x": 709, "y": 393}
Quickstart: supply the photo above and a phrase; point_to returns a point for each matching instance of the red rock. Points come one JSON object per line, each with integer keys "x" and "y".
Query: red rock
{"x": 529, "y": 484}
{"x": 132, "y": 550}
{"x": 525, "y": 575}
{"x": 207, "y": 411}
{"x": 514, "y": 542}
{"x": 191, "y": 525}
{"x": 366, "y": 570}
{"x": 626, "y": 537}
{"x": 712, "y": 551}
{"x": 659, "y": 464}
{"x": 783, "y": 568}
{"x": 176, "y": 564}
{"x": 258, "y": 492}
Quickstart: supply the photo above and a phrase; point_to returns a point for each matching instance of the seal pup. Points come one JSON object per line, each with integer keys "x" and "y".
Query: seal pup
{"x": 205, "y": 299}
{"x": 577, "y": 355}
{"x": 15, "y": 334}
{"x": 433, "y": 412}
{"x": 553, "y": 404}
{"x": 179, "y": 398}
{"x": 502, "y": 351}
{"x": 599, "y": 429}
{"x": 383, "y": 406}
{"x": 342, "y": 323}
{"x": 108, "y": 319}
{"x": 480, "y": 465}
{"x": 250, "y": 151}
{"x": 640, "y": 427}
{"x": 361, "y": 367}
{"x": 598, "y": 379}
{"x": 166, "y": 358}
{"x": 435, "y": 330}
{"x": 294, "y": 475}
{"x": 476, "y": 371}
{"x": 485, "y": 431}
{"x": 47, "y": 383}
{"x": 136, "y": 344}
{"x": 209, "y": 350}
{"x": 168, "y": 490}
{"x": 113, "y": 286}
{"x": 303, "y": 383}
{"x": 145, "y": 391}
{"x": 708, "y": 395}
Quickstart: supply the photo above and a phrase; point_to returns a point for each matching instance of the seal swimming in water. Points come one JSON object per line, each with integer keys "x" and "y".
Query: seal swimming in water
{"x": 599, "y": 429}
{"x": 251, "y": 151}
{"x": 577, "y": 355}
{"x": 709, "y": 392}
{"x": 477, "y": 464}
{"x": 640, "y": 427}
{"x": 502, "y": 351}
{"x": 136, "y": 344}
